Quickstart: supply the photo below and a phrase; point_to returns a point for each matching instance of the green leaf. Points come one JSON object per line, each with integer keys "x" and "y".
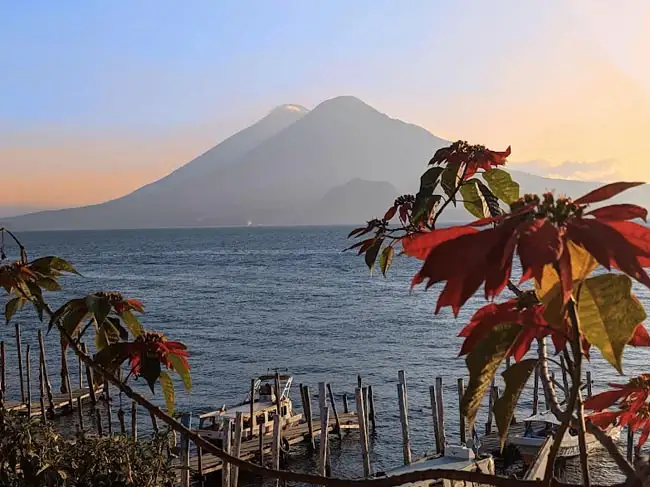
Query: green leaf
{"x": 181, "y": 369}
{"x": 423, "y": 207}
{"x": 150, "y": 370}
{"x": 12, "y": 306}
{"x": 168, "y": 391}
{"x": 371, "y": 254}
{"x": 609, "y": 313}
{"x": 483, "y": 362}
{"x": 515, "y": 378}
{"x": 473, "y": 199}
{"x": 451, "y": 178}
{"x": 99, "y": 307}
{"x": 115, "y": 329}
{"x": 502, "y": 185}
{"x": 491, "y": 200}
{"x": 49, "y": 284}
{"x": 45, "y": 265}
{"x": 132, "y": 323}
{"x": 386, "y": 259}
{"x": 429, "y": 180}
{"x": 112, "y": 356}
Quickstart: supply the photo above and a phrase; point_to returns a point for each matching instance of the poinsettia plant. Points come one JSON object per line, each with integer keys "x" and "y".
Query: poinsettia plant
{"x": 110, "y": 317}
{"x": 559, "y": 242}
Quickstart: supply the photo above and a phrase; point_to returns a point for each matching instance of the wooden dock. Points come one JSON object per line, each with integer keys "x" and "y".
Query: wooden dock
{"x": 61, "y": 402}
{"x": 250, "y": 448}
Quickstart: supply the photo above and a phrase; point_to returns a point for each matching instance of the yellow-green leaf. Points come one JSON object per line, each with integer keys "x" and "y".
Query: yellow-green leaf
{"x": 502, "y": 185}
{"x": 132, "y": 322}
{"x": 167, "y": 386}
{"x": 473, "y": 199}
{"x": 450, "y": 178}
{"x": 515, "y": 378}
{"x": 45, "y": 265}
{"x": 609, "y": 313}
{"x": 483, "y": 362}
{"x": 12, "y": 306}
{"x": 582, "y": 265}
{"x": 386, "y": 259}
{"x": 181, "y": 369}
{"x": 371, "y": 253}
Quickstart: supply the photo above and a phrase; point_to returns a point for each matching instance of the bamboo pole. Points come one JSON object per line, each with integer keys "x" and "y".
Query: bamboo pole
{"x": 80, "y": 372}
{"x": 236, "y": 448}
{"x": 434, "y": 417}
{"x": 441, "y": 413}
{"x": 134, "y": 420}
{"x": 46, "y": 379}
{"x": 278, "y": 402}
{"x": 463, "y": 428}
{"x": 336, "y": 414}
{"x": 98, "y": 417}
{"x": 64, "y": 361}
{"x": 29, "y": 383}
{"x": 309, "y": 418}
{"x": 154, "y": 423}
{"x": 109, "y": 412}
{"x": 536, "y": 391}
{"x": 3, "y": 370}
{"x": 366, "y": 409}
{"x": 346, "y": 407}
{"x": 324, "y": 439}
{"x": 589, "y": 383}
{"x": 277, "y": 438}
{"x": 322, "y": 398}
{"x": 120, "y": 418}
{"x": 89, "y": 378}
{"x": 41, "y": 389}
{"x": 19, "y": 347}
{"x": 565, "y": 379}
{"x": 261, "y": 445}
{"x": 80, "y": 413}
{"x": 403, "y": 416}
{"x": 630, "y": 444}
{"x": 186, "y": 420}
{"x": 361, "y": 416}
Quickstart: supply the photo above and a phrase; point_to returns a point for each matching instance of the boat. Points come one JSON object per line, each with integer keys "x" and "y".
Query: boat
{"x": 455, "y": 457}
{"x": 539, "y": 427}
{"x": 269, "y": 394}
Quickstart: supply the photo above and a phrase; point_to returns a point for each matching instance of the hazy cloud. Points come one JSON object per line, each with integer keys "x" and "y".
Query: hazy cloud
{"x": 603, "y": 170}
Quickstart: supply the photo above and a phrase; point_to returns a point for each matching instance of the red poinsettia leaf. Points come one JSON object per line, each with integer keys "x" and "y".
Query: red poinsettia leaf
{"x": 636, "y": 234}
{"x": 391, "y": 213}
{"x": 604, "y": 399}
{"x": 136, "y": 305}
{"x": 604, "y": 418}
{"x": 619, "y": 212}
{"x": 609, "y": 247}
{"x": 645, "y": 432}
{"x": 523, "y": 342}
{"x": 605, "y": 192}
{"x": 641, "y": 338}
{"x": 539, "y": 244}
{"x": 419, "y": 245}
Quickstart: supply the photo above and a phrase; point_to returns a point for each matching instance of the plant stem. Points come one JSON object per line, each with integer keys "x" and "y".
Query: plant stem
{"x": 450, "y": 198}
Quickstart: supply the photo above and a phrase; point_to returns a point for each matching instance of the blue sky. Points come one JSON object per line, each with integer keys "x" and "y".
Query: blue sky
{"x": 151, "y": 83}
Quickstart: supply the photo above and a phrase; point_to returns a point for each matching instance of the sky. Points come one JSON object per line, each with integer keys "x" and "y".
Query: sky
{"x": 99, "y": 98}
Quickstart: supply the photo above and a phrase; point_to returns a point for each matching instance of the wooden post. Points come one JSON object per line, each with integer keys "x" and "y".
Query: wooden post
{"x": 199, "y": 461}
{"x": 463, "y": 428}
{"x": 109, "y": 412}
{"x": 536, "y": 391}
{"x": 80, "y": 412}
{"x": 89, "y": 378}
{"x": 120, "y": 417}
{"x": 134, "y": 420}
{"x": 154, "y": 423}
{"x": 359, "y": 381}
{"x": 252, "y": 418}
{"x": 3, "y": 370}
{"x": 588, "y": 383}
{"x": 441, "y": 413}
{"x": 64, "y": 361}
{"x": 346, "y": 407}
{"x": 401, "y": 378}
{"x": 322, "y": 398}
{"x": 278, "y": 403}
{"x": 80, "y": 372}
{"x": 488, "y": 424}
{"x": 434, "y": 416}
{"x": 98, "y": 418}
{"x": 41, "y": 389}
{"x": 630, "y": 444}
{"x": 29, "y": 383}
{"x": 46, "y": 379}
{"x": 277, "y": 428}
{"x": 261, "y": 438}
{"x": 309, "y": 418}
{"x": 366, "y": 409}
{"x": 20, "y": 363}
{"x": 361, "y": 416}
{"x": 236, "y": 447}
{"x": 403, "y": 416}
{"x": 336, "y": 414}
{"x": 371, "y": 403}
{"x": 186, "y": 420}
{"x": 324, "y": 439}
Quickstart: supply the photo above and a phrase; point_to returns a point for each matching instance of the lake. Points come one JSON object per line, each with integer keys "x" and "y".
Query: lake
{"x": 248, "y": 299}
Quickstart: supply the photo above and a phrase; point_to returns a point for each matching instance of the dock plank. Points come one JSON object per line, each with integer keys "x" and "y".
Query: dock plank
{"x": 60, "y": 401}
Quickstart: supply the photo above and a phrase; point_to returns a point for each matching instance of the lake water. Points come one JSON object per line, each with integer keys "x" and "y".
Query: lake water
{"x": 248, "y": 299}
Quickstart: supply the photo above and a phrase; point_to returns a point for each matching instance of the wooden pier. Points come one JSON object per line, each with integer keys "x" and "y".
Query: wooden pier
{"x": 61, "y": 402}
{"x": 250, "y": 449}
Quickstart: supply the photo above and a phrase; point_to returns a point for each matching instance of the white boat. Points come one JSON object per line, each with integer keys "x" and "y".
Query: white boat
{"x": 269, "y": 394}
{"x": 540, "y": 426}
{"x": 454, "y": 458}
